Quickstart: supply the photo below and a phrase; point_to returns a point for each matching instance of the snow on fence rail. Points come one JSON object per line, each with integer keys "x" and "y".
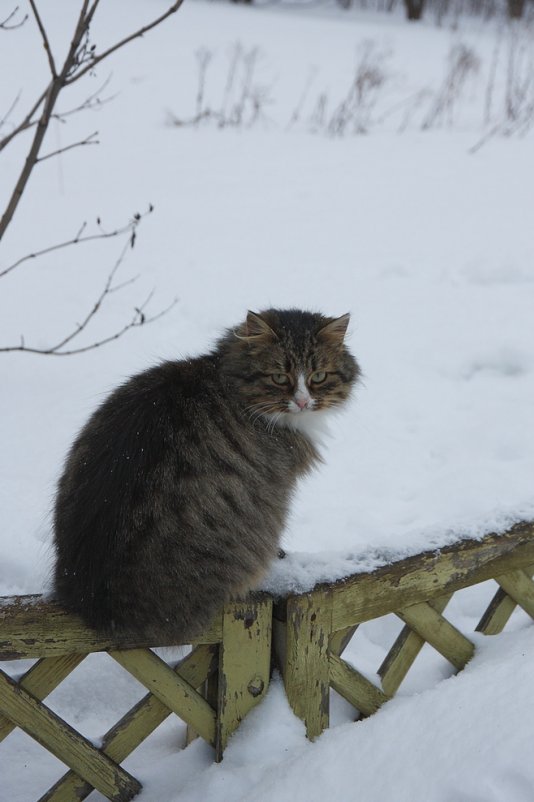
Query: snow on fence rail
{"x": 227, "y": 673}
{"x": 312, "y": 630}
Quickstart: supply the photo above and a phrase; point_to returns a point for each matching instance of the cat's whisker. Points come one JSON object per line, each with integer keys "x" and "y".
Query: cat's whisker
{"x": 260, "y": 409}
{"x": 254, "y": 416}
{"x": 258, "y": 405}
{"x": 260, "y": 416}
{"x": 274, "y": 420}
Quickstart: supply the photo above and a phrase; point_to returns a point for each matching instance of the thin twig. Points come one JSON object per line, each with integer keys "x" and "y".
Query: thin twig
{"x": 297, "y": 111}
{"x": 46, "y": 42}
{"x": 95, "y": 59}
{"x": 10, "y": 110}
{"x": 125, "y": 283}
{"x": 26, "y": 122}
{"x": 487, "y": 136}
{"x": 4, "y": 25}
{"x": 91, "y": 102}
{"x": 138, "y": 319}
{"x": 97, "y": 304}
{"x": 90, "y": 140}
{"x": 79, "y": 239}
{"x": 205, "y": 115}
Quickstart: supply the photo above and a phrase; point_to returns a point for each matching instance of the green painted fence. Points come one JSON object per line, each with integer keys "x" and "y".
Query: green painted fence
{"x": 227, "y": 672}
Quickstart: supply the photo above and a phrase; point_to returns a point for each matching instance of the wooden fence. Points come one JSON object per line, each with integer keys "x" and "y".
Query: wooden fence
{"x": 312, "y": 630}
{"x": 227, "y": 672}
{"x": 212, "y": 689}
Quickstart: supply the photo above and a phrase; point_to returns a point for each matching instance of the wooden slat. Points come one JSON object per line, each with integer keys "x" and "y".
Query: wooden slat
{"x": 210, "y": 691}
{"x": 404, "y": 651}
{"x": 426, "y": 576}
{"x": 499, "y": 610}
{"x": 177, "y": 694}
{"x": 279, "y": 644}
{"x": 520, "y": 587}
{"x": 497, "y": 614}
{"x": 41, "y": 679}
{"x": 133, "y": 728}
{"x": 307, "y": 672}
{"x": 340, "y": 640}
{"x": 244, "y": 664}
{"x": 354, "y": 687}
{"x": 33, "y": 627}
{"x": 65, "y": 743}
{"x": 439, "y": 632}
{"x": 136, "y": 725}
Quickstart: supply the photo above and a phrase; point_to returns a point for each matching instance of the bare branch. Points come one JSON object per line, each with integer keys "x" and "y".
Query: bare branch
{"x": 79, "y": 60}
{"x": 4, "y": 24}
{"x": 46, "y": 42}
{"x": 297, "y": 111}
{"x": 51, "y": 96}
{"x": 89, "y": 140}
{"x": 92, "y": 102}
{"x": 95, "y": 59}
{"x": 26, "y": 122}
{"x": 243, "y": 99}
{"x": 97, "y": 304}
{"x": 125, "y": 283}
{"x": 33, "y": 155}
{"x": 77, "y": 239}
{"x": 10, "y": 110}
{"x": 139, "y": 317}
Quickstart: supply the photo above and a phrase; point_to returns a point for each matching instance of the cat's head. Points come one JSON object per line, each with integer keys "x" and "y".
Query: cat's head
{"x": 289, "y": 363}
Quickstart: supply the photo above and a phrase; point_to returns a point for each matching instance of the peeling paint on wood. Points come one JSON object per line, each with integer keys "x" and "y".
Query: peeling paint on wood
{"x": 307, "y": 671}
{"x": 33, "y": 627}
{"x": 232, "y": 666}
{"x": 429, "y": 575}
{"x": 244, "y": 664}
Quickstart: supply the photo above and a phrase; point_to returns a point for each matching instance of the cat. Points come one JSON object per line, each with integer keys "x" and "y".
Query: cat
{"x": 175, "y": 494}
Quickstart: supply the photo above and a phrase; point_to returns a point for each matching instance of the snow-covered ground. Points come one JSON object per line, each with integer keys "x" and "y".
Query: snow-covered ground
{"x": 428, "y": 245}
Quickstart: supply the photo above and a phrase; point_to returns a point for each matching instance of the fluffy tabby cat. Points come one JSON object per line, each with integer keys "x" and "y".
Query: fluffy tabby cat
{"x": 176, "y": 491}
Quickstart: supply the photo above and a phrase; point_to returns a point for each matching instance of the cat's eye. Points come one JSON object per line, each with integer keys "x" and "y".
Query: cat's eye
{"x": 280, "y": 378}
{"x": 318, "y": 377}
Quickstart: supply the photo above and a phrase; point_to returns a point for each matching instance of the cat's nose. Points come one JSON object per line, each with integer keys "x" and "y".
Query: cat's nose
{"x": 301, "y": 402}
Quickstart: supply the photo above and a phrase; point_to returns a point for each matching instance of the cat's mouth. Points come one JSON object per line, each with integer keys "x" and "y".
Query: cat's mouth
{"x": 297, "y": 405}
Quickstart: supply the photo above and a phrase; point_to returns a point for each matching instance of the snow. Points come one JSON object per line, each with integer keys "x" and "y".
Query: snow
{"x": 430, "y": 248}
{"x": 439, "y": 745}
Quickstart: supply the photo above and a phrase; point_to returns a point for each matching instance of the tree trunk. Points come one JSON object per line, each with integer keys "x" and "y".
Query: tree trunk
{"x": 516, "y": 8}
{"x": 414, "y": 8}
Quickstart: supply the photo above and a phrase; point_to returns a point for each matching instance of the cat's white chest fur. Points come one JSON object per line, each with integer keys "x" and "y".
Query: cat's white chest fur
{"x": 312, "y": 424}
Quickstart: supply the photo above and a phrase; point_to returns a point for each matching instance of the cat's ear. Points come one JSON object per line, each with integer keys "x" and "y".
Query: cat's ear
{"x": 255, "y": 327}
{"x": 335, "y": 331}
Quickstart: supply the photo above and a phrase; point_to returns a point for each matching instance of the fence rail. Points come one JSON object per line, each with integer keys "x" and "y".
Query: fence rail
{"x": 232, "y": 659}
{"x": 227, "y": 672}
{"x": 312, "y": 630}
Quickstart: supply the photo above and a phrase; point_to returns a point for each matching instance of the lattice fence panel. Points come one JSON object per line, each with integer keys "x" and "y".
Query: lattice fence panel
{"x": 237, "y": 653}
{"x": 227, "y": 673}
{"x": 313, "y": 629}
